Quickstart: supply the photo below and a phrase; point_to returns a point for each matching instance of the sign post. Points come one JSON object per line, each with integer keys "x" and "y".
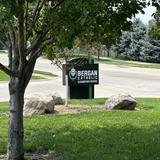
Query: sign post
{"x": 67, "y": 90}
{"x": 90, "y": 86}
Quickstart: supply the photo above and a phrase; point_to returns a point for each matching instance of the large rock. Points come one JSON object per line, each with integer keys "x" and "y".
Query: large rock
{"x": 121, "y": 101}
{"x": 58, "y": 100}
{"x": 38, "y": 105}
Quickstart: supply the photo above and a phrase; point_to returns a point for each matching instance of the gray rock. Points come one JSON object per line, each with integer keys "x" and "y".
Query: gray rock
{"x": 38, "y": 105}
{"x": 121, "y": 101}
{"x": 58, "y": 100}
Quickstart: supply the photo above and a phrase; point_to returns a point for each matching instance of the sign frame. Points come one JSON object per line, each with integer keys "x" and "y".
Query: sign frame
{"x": 87, "y": 74}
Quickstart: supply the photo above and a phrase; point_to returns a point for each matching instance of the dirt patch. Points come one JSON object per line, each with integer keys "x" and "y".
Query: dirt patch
{"x": 73, "y": 109}
{"x": 37, "y": 156}
{"x": 2, "y": 157}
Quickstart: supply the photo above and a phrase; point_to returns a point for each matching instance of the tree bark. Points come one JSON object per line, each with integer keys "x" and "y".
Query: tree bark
{"x": 15, "y": 149}
{"x": 98, "y": 54}
{"x": 108, "y": 53}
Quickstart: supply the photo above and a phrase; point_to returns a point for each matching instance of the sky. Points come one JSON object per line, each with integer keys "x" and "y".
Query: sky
{"x": 147, "y": 16}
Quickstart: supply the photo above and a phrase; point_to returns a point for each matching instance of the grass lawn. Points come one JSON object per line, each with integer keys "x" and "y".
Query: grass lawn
{"x": 45, "y": 73}
{"x": 3, "y": 52}
{"x": 97, "y": 135}
{"x": 125, "y": 63}
{"x": 3, "y": 107}
{"x": 5, "y": 77}
{"x": 143, "y": 103}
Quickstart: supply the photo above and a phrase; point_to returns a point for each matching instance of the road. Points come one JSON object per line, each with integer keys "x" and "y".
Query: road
{"x": 139, "y": 82}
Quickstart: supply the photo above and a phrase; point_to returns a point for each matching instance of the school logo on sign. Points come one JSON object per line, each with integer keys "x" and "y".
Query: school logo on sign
{"x": 72, "y": 74}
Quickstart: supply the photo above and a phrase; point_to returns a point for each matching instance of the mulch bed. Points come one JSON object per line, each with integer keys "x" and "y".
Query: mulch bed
{"x": 37, "y": 156}
{"x": 71, "y": 109}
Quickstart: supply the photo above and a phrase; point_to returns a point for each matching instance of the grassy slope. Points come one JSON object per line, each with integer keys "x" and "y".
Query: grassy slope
{"x": 45, "y": 73}
{"x": 111, "y": 135}
{"x": 146, "y": 103}
{"x": 3, "y": 107}
{"x": 130, "y": 63}
{"x": 4, "y": 77}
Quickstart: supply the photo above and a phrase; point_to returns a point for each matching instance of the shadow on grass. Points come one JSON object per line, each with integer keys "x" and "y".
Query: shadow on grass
{"x": 100, "y": 143}
{"x": 103, "y": 135}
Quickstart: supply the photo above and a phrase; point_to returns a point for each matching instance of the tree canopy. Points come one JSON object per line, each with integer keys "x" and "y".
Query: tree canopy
{"x": 65, "y": 20}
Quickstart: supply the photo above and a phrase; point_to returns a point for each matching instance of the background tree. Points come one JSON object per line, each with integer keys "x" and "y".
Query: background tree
{"x": 151, "y": 48}
{"x": 131, "y": 42}
{"x": 54, "y": 22}
{"x": 123, "y": 45}
{"x": 138, "y": 36}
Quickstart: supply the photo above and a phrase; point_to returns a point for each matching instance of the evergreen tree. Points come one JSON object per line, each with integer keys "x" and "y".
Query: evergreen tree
{"x": 151, "y": 49}
{"x": 130, "y": 43}
{"x": 123, "y": 45}
{"x": 138, "y": 36}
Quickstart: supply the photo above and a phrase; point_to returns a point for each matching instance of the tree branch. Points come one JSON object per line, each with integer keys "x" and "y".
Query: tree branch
{"x": 35, "y": 44}
{"x": 45, "y": 43}
{"x": 55, "y": 5}
{"x": 21, "y": 35}
{"x": 38, "y": 9}
{"x": 7, "y": 71}
{"x": 51, "y": 7}
{"x": 36, "y": 14}
{"x": 26, "y": 24}
{"x": 38, "y": 40}
{"x": 4, "y": 44}
{"x": 37, "y": 53}
{"x": 10, "y": 51}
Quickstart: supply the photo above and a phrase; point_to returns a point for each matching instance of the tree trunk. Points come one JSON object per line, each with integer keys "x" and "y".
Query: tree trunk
{"x": 98, "y": 54}
{"x": 108, "y": 53}
{"x": 16, "y": 132}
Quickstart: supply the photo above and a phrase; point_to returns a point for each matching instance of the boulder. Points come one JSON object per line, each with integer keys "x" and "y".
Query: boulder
{"x": 121, "y": 101}
{"x": 58, "y": 100}
{"x": 38, "y": 105}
